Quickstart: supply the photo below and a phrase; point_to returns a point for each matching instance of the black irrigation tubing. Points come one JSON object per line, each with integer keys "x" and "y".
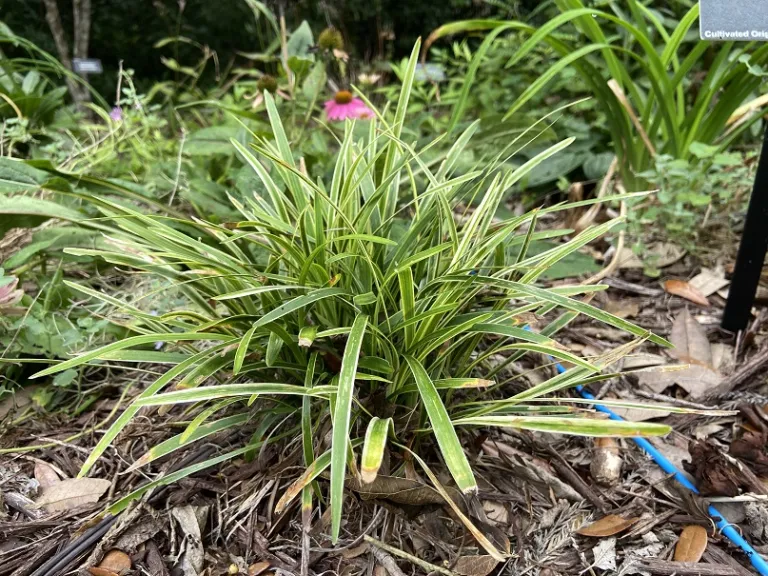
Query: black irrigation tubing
{"x": 91, "y": 536}
{"x": 72, "y": 550}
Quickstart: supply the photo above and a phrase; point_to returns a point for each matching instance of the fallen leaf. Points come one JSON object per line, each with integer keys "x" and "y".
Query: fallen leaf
{"x": 660, "y": 255}
{"x": 691, "y": 544}
{"x": 189, "y": 520}
{"x": 624, "y": 308}
{"x": 17, "y": 400}
{"x": 641, "y": 360}
{"x": 690, "y": 340}
{"x": 154, "y": 560}
{"x": 258, "y": 568}
{"x": 709, "y": 281}
{"x": 692, "y": 347}
{"x": 607, "y": 526}
{"x": 399, "y": 490}
{"x": 475, "y": 565}
{"x": 96, "y": 571}
{"x": 605, "y": 554}
{"x": 496, "y": 512}
{"x": 696, "y": 380}
{"x": 685, "y": 290}
{"x": 45, "y": 475}
{"x": 116, "y": 560}
{"x": 722, "y": 357}
{"x": 347, "y": 553}
{"x": 69, "y": 494}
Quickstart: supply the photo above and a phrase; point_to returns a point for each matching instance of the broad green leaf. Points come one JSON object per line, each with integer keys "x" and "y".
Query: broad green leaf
{"x": 29, "y": 212}
{"x": 17, "y": 176}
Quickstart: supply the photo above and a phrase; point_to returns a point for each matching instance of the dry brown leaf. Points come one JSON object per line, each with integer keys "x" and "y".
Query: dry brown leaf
{"x": 690, "y": 340}
{"x": 401, "y": 491}
{"x": 154, "y": 560}
{"x": 96, "y": 571}
{"x": 722, "y": 357}
{"x": 475, "y": 565}
{"x": 641, "y": 360}
{"x": 660, "y": 255}
{"x": 691, "y": 347}
{"x": 258, "y": 568}
{"x": 696, "y": 380}
{"x": 685, "y": 290}
{"x": 45, "y": 475}
{"x": 607, "y": 526}
{"x": 116, "y": 561}
{"x": 191, "y": 521}
{"x": 709, "y": 281}
{"x": 17, "y": 401}
{"x": 624, "y": 308}
{"x": 691, "y": 545}
{"x": 496, "y": 512}
{"x": 69, "y": 494}
{"x": 629, "y": 260}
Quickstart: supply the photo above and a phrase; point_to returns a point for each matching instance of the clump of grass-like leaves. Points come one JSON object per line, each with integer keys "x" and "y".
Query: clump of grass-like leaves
{"x": 642, "y": 74}
{"x": 358, "y": 300}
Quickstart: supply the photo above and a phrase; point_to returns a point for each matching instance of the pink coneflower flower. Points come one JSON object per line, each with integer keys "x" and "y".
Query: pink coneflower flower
{"x": 344, "y": 106}
{"x": 116, "y": 114}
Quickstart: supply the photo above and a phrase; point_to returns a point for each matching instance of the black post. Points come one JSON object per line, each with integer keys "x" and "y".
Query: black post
{"x": 754, "y": 243}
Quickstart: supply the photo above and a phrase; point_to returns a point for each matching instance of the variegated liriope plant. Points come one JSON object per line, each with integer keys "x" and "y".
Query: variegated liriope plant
{"x": 357, "y": 301}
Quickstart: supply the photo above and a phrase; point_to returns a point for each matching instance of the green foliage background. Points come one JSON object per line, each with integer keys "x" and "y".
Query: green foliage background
{"x": 129, "y": 29}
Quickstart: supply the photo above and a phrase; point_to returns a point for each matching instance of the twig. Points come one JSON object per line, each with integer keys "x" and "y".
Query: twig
{"x": 747, "y": 371}
{"x": 119, "y": 83}
{"x": 665, "y": 568}
{"x": 671, "y": 400}
{"x": 587, "y": 218}
{"x": 574, "y": 479}
{"x": 388, "y": 562}
{"x": 625, "y": 286}
{"x": 178, "y": 166}
{"x": 614, "y": 263}
{"x": 622, "y": 98}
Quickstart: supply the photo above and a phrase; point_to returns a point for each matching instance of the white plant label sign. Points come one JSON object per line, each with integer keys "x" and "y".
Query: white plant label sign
{"x": 733, "y": 20}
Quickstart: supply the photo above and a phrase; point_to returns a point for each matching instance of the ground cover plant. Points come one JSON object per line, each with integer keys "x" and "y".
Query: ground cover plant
{"x": 339, "y": 299}
{"x": 341, "y": 308}
{"x": 642, "y": 74}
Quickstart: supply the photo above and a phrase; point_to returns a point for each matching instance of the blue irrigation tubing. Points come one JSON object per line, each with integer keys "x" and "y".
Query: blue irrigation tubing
{"x": 727, "y": 530}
